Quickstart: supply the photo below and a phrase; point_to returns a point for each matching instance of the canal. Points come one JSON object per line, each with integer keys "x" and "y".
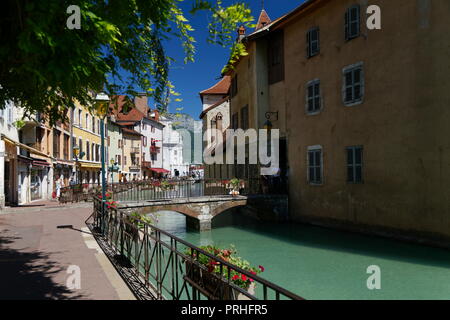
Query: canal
{"x": 319, "y": 263}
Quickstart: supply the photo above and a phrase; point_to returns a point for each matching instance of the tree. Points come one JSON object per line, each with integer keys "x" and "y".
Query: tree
{"x": 47, "y": 66}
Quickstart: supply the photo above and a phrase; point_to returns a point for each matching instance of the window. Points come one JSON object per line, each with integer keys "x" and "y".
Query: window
{"x": 219, "y": 118}
{"x": 313, "y": 98}
{"x": 88, "y": 151}
{"x": 118, "y": 160}
{"x": 352, "y": 23}
{"x": 235, "y": 121}
{"x": 144, "y": 141}
{"x": 244, "y": 118}
{"x": 353, "y": 89}
{"x": 80, "y": 145}
{"x": 56, "y": 143}
{"x": 312, "y": 42}
{"x": 234, "y": 86}
{"x": 276, "y": 57}
{"x": 315, "y": 170}
{"x": 93, "y": 124}
{"x": 354, "y": 164}
{"x": 125, "y": 160}
{"x": 79, "y": 117}
{"x": 153, "y": 129}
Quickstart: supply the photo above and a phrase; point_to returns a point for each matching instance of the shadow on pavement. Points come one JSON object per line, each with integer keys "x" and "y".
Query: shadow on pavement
{"x": 28, "y": 274}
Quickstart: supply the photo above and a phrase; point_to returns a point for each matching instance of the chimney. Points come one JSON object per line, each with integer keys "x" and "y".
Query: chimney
{"x": 241, "y": 33}
{"x": 155, "y": 115}
{"x": 141, "y": 103}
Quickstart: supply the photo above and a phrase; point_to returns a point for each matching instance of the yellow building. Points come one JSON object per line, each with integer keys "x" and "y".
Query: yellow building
{"x": 86, "y": 137}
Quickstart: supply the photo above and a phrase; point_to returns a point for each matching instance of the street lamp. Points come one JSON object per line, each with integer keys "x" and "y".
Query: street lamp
{"x": 113, "y": 168}
{"x": 76, "y": 151}
{"x": 268, "y": 124}
{"x": 102, "y": 106}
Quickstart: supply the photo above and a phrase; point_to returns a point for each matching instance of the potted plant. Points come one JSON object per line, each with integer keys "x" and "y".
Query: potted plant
{"x": 235, "y": 185}
{"x": 214, "y": 280}
{"x": 138, "y": 221}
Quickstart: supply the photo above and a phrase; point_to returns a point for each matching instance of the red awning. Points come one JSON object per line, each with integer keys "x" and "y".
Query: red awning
{"x": 160, "y": 170}
{"x": 40, "y": 163}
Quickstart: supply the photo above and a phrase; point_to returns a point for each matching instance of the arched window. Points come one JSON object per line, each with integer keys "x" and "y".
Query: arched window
{"x": 219, "y": 121}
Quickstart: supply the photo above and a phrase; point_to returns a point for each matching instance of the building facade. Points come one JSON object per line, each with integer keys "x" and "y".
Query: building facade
{"x": 86, "y": 138}
{"x": 216, "y": 120}
{"x": 362, "y": 113}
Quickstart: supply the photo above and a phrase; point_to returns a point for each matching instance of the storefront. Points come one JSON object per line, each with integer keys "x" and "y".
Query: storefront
{"x": 39, "y": 180}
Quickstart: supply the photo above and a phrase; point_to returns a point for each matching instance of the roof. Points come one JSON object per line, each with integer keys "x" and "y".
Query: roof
{"x": 263, "y": 20}
{"x": 282, "y": 20}
{"x": 218, "y": 103}
{"x": 130, "y": 131}
{"x": 220, "y": 88}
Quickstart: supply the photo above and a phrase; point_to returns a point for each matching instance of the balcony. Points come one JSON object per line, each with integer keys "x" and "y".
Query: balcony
{"x": 155, "y": 149}
{"x": 135, "y": 150}
{"x": 146, "y": 164}
{"x": 135, "y": 167}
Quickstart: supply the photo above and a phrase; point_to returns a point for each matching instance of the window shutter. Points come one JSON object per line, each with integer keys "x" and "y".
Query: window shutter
{"x": 347, "y": 24}
{"x": 308, "y": 41}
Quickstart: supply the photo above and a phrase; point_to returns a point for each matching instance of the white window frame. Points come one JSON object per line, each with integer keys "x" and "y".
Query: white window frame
{"x": 315, "y": 148}
{"x": 354, "y": 165}
{"x": 310, "y": 42}
{"x": 348, "y": 23}
{"x": 351, "y": 68}
{"x": 313, "y": 83}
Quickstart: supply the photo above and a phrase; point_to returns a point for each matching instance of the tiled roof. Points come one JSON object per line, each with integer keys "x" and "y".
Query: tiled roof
{"x": 263, "y": 20}
{"x": 220, "y": 87}
{"x": 131, "y": 131}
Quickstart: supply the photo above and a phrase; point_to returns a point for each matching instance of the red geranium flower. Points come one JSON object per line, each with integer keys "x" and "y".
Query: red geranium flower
{"x": 244, "y": 277}
{"x": 261, "y": 268}
{"x": 235, "y": 277}
{"x": 253, "y": 272}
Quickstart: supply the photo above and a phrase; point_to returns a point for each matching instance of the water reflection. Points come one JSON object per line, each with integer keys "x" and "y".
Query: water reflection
{"x": 319, "y": 263}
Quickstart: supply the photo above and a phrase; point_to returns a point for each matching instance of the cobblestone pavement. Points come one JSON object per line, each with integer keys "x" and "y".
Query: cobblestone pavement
{"x": 39, "y": 260}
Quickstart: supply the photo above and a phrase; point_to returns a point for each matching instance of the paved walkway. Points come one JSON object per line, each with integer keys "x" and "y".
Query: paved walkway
{"x": 35, "y": 256}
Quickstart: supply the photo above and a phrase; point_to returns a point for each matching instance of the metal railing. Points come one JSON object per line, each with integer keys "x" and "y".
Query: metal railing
{"x": 79, "y": 192}
{"x": 156, "y": 190}
{"x": 159, "y": 265}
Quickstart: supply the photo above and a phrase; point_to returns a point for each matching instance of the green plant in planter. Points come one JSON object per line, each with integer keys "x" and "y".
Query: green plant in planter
{"x": 141, "y": 219}
{"x": 229, "y": 255}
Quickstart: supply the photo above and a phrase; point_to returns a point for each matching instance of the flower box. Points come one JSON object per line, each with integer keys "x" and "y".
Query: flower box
{"x": 215, "y": 285}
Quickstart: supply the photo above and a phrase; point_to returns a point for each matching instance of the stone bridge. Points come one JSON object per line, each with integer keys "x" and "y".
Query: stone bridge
{"x": 199, "y": 211}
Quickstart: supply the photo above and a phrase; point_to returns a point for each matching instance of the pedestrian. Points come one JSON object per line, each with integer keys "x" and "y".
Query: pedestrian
{"x": 59, "y": 183}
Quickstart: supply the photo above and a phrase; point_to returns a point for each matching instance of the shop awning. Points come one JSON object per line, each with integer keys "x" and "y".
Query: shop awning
{"x": 90, "y": 165}
{"x": 24, "y": 146}
{"x": 160, "y": 170}
{"x": 40, "y": 163}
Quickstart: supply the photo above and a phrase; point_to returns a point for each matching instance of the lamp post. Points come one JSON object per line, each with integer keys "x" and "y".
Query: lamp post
{"x": 76, "y": 151}
{"x": 102, "y": 105}
{"x": 113, "y": 168}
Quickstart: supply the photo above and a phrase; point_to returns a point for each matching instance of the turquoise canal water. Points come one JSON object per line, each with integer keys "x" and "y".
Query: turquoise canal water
{"x": 318, "y": 263}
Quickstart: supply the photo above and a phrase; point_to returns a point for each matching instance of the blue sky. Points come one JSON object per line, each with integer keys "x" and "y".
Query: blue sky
{"x": 189, "y": 79}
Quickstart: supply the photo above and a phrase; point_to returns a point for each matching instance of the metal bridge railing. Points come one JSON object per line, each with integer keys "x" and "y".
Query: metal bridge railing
{"x": 167, "y": 267}
{"x": 176, "y": 189}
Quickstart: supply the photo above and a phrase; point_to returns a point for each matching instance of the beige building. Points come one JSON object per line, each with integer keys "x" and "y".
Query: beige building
{"x": 216, "y": 120}
{"x": 363, "y": 114}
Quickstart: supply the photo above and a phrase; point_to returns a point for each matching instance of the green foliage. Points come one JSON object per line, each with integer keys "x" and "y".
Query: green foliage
{"x": 229, "y": 255}
{"x": 119, "y": 49}
{"x": 140, "y": 220}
